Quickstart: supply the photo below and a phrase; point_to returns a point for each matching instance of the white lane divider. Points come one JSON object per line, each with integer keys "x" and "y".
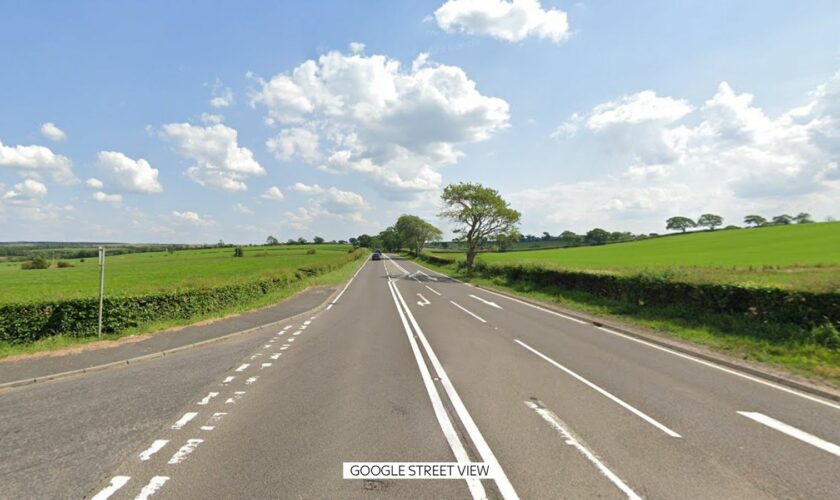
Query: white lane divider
{"x": 251, "y": 380}
{"x": 474, "y": 315}
{"x": 185, "y": 450}
{"x": 151, "y": 450}
{"x": 423, "y": 300}
{"x": 534, "y": 306}
{"x": 237, "y": 395}
{"x": 257, "y": 355}
{"x": 228, "y": 380}
{"x": 501, "y": 479}
{"x": 243, "y": 367}
{"x": 603, "y": 392}
{"x": 489, "y": 303}
{"x": 184, "y": 420}
{"x": 266, "y": 365}
{"x": 286, "y": 327}
{"x": 297, "y": 333}
{"x": 792, "y": 432}
{"x": 150, "y": 489}
{"x": 571, "y": 439}
{"x": 267, "y": 346}
{"x": 212, "y": 421}
{"x": 433, "y": 290}
{"x": 207, "y": 398}
{"x": 307, "y": 322}
{"x": 292, "y": 340}
{"x": 276, "y": 356}
{"x": 116, "y": 483}
{"x": 284, "y": 347}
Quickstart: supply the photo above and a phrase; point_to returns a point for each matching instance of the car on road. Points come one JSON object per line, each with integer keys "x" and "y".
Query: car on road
{"x": 377, "y": 255}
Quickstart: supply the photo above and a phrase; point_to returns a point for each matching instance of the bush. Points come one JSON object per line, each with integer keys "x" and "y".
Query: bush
{"x": 36, "y": 263}
{"x": 826, "y": 335}
{"x": 64, "y": 264}
{"x": 237, "y": 252}
{"x": 311, "y": 251}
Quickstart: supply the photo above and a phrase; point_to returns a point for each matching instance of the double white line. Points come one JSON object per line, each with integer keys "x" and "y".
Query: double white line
{"x": 484, "y": 451}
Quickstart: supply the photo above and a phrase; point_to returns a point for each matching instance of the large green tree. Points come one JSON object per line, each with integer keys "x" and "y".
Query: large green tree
{"x": 479, "y": 213}
{"x": 679, "y": 222}
{"x": 597, "y": 236}
{"x": 389, "y": 239}
{"x": 755, "y": 220}
{"x": 414, "y": 232}
{"x": 710, "y": 220}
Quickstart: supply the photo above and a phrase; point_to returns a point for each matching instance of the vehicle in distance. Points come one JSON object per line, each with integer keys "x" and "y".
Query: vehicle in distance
{"x": 377, "y": 255}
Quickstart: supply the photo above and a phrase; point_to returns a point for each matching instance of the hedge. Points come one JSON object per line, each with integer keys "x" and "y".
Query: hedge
{"x": 22, "y": 323}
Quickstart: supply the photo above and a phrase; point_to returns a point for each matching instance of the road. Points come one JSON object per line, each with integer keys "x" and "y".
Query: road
{"x": 407, "y": 365}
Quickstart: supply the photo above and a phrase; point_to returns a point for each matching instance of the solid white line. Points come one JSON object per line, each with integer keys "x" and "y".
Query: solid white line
{"x": 476, "y": 316}
{"x": 476, "y": 489}
{"x": 243, "y": 367}
{"x": 793, "y": 432}
{"x": 345, "y": 286}
{"x": 150, "y": 489}
{"x": 401, "y": 268}
{"x": 185, "y": 450}
{"x": 572, "y": 440}
{"x": 329, "y": 307}
{"x": 502, "y": 482}
{"x": 151, "y": 450}
{"x": 116, "y": 483}
{"x": 491, "y": 304}
{"x": 184, "y": 420}
{"x": 207, "y": 398}
{"x": 433, "y": 290}
{"x": 626, "y": 406}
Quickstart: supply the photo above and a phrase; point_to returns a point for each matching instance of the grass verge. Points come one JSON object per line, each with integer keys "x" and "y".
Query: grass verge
{"x": 59, "y": 342}
{"x": 732, "y": 335}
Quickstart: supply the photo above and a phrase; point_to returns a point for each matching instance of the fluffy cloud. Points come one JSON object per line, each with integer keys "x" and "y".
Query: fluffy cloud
{"x": 273, "y": 193}
{"x": 128, "y": 174}
{"x": 337, "y": 201}
{"x": 103, "y": 197}
{"x": 53, "y": 133}
{"x": 331, "y": 202}
{"x": 222, "y": 98}
{"x": 369, "y": 115}
{"x": 26, "y": 190}
{"x": 211, "y": 119}
{"x": 192, "y": 218}
{"x": 36, "y": 160}
{"x": 510, "y": 21}
{"x": 94, "y": 183}
{"x": 242, "y": 209}
{"x": 219, "y": 160}
{"x": 306, "y": 189}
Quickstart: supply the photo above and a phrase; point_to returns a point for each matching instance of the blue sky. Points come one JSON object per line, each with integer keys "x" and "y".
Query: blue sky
{"x": 583, "y": 114}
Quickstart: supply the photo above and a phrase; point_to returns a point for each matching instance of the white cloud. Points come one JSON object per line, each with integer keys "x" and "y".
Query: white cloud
{"x": 295, "y": 141}
{"x": 306, "y": 189}
{"x": 219, "y": 161}
{"x": 110, "y": 198}
{"x": 242, "y": 209}
{"x": 212, "y": 119}
{"x": 36, "y": 160}
{"x": 28, "y": 189}
{"x": 356, "y": 47}
{"x": 222, "y": 97}
{"x": 128, "y": 174}
{"x": 338, "y": 201}
{"x": 273, "y": 193}
{"x": 53, "y": 133}
{"x": 94, "y": 183}
{"x": 395, "y": 126}
{"x": 511, "y": 21}
{"x": 192, "y": 218}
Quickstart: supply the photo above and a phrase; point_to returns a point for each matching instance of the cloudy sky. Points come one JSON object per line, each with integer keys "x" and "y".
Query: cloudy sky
{"x": 192, "y": 122}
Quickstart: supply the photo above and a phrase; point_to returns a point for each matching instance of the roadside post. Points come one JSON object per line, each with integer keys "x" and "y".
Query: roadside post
{"x": 101, "y": 286}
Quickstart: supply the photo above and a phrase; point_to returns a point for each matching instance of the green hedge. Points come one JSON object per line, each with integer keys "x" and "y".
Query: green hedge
{"x": 22, "y": 323}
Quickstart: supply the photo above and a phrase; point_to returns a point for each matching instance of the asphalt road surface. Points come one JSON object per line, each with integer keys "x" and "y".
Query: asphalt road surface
{"x": 407, "y": 365}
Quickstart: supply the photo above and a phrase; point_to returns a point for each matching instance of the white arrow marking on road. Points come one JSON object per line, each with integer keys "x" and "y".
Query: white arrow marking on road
{"x": 116, "y": 483}
{"x": 207, "y": 398}
{"x": 491, "y": 304}
{"x": 184, "y": 420}
{"x": 151, "y": 450}
{"x": 150, "y": 489}
{"x": 424, "y": 300}
{"x": 793, "y": 432}
{"x": 185, "y": 450}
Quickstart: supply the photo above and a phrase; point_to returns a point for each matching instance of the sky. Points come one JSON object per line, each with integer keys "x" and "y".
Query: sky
{"x": 191, "y": 122}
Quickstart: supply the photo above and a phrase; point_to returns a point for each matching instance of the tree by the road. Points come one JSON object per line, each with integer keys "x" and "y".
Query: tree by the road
{"x": 679, "y": 223}
{"x": 414, "y": 232}
{"x": 783, "y": 219}
{"x": 571, "y": 238}
{"x": 271, "y": 240}
{"x": 317, "y": 240}
{"x": 710, "y": 220}
{"x": 803, "y": 218}
{"x": 597, "y": 236}
{"x": 480, "y": 214}
{"x": 389, "y": 240}
{"x": 755, "y": 220}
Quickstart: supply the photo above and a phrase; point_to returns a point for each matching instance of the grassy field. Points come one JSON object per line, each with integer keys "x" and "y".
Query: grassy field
{"x": 148, "y": 273}
{"x": 803, "y": 256}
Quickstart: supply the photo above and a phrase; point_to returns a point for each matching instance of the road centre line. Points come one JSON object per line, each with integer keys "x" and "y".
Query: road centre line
{"x": 151, "y": 450}
{"x": 476, "y": 316}
{"x": 150, "y": 489}
{"x": 792, "y": 432}
{"x": 216, "y": 418}
{"x": 207, "y": 398}
{"x": 476, "y": 489}
{"x": 572, "y": 440}
{"x": 184, "y": 420}
{"x": 502, "y": 482}
{"x": 242, "y": 367}
{"x": 116, "y": 483}
{"x": 185, "y": 450}
{"x": 603, "y": 392}
{"x": 286, "y": 327}
{"x": 489, "y": 303}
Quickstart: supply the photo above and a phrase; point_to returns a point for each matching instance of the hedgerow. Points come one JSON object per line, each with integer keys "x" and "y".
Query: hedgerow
{"x": 22, "y": 323}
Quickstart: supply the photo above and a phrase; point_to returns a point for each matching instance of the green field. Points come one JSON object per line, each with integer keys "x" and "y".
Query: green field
{"x": 803, "y": 256}
{"x": 152, "y": 272}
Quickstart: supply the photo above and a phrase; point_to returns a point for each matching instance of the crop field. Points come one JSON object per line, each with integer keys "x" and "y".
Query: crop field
{"x": 153, "y": 272}
{"x": 802, "y": 256}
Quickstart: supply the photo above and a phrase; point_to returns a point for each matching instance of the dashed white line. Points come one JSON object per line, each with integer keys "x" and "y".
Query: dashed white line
{"x": 267, "y": 346}
{"x": 150, "y": 489}
{"x": 237, "y": 395}
{"x": 215, "y": 419}
{"x": 292, "y": 340}
{"x": 297, "y": 333}
{"x": 151, "y": 450}
{"x": 207, "y": 398}
{"x": 286, "y": 327}
{"x": 489, "y": 303}
{"x": 534, "y": 306}
{"x": 433, "y": 290}
{"x": 185, "y": 450}
{"x": 603, "y": 392}
{"x": 243, "y": 367}
{"x": 266, "y": 365}
{"x": 284, "y": 348}
{"x": 793, "y": 432}
{"x": 228, "y": 380}
{"x": 184, "y": 420}
{"x": 257, "y": 355}
{"x": 116, "y": 483}
{"x": 275, "y": 356}
{"x": 251, "y": 380}
{"x": 476, "y": 316}
{"x": 572, "y": 440}
{"x": 307, "y": 322}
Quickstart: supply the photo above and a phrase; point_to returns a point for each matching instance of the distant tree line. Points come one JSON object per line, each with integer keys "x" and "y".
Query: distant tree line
{"x": 712, "y": 221}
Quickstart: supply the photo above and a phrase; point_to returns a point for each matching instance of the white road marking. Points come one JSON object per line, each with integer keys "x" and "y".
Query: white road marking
{"x": 603, "y": 392}
{"x": 433, "y": 290}
{"x": 116, "y": 483}
{"x": 216, "y": 418}
{"x": 185, "y": 450}
{"x": 335, "y": 301}
{"x": 534, "y": 306}
{"x": 266, "y": 365}
{"x": 228, "y": 380}
{"x": 445, "y": 423}
{"x": 286, "y": 327}
{"x": 237, "y": 395}
{"x": 307, "y": 322}
{"x": 151, "y": 450}
{"x": 502, "y": 482}
{"x": 284, "y": 348}
{"x": 275, "y": 356}
{"x": 793, "y": 432}
{"x": 271, "y": 341}
{"x": 150, "y": 489}
{"x": 184, "y": 420}
{"x": 329, "y": 307}
{"x": 572, "y": 440}
{"x": 292, "y": 340}
{"x": 476, "y": 316}
{"x": 297, "y": 333}
{"x": 423, "y": 300}
{"x": 303, "y": 327}
{"x": 207, "y": 398}
{"x": 251, "y": 380}
{"x": 257, "y": 355}
{"x": 267, "y": 346}
{"x": 491, "y": 304}
{"x": 243, "y": 367}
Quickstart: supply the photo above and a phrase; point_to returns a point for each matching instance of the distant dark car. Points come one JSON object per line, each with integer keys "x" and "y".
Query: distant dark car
{"x": 377, "y": 255}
